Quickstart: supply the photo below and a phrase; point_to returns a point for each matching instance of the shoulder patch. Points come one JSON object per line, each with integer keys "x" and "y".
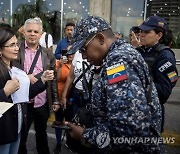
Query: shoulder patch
{"x": 116, "y": 73}
{"x": 165, "y": 66}
{"x": 173, "y": 76}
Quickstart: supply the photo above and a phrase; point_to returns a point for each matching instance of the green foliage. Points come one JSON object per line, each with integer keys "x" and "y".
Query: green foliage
{"x": 26, "y": 11}
{"x": 176, "y": 42}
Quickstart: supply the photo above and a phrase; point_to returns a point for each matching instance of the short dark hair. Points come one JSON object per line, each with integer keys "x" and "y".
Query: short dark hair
{"x": 135, "y": 29}
{"x": 70, "y": 24}
{"x": 108, "y": 33}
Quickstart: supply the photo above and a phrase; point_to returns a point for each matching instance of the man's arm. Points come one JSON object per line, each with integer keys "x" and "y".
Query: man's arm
{"x": 58, "y": 50}
{"x": 53, "y": 83}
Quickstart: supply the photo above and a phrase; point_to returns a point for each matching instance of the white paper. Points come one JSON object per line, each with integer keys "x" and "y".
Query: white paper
{"x": 4, "y": 106}
{"x": 22, "y": 94}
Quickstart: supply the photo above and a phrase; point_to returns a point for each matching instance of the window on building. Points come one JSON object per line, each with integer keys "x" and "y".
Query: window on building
{"x": 170, "y": 10}
{"x": 125, "y": 14}
{"x": 48, "y": 10}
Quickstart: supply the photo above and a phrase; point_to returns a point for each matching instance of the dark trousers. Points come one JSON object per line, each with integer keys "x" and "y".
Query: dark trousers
{"x": 163, "y": 114}
{"x": 60, "y": 115}
{"x": 40, "y": 117}
{"x": 78, "y": 103}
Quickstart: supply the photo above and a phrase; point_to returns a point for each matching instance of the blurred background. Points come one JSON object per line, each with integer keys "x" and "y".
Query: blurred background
{"x": 122, "y": 14}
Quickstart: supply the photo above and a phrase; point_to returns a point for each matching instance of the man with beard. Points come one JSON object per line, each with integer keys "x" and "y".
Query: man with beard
{"x": 65, "y": 42}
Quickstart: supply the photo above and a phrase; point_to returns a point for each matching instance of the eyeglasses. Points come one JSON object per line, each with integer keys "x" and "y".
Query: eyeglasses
{"x": 12, "y": 45}
{"x": 83, "y": 49}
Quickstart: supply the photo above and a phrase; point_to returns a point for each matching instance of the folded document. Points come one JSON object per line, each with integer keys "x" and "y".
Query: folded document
{"x": 4, "y": 106}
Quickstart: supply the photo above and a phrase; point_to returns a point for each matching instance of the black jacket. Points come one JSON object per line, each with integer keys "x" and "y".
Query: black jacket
{"x": 9, "y": 120}
{"x": 163, "y": 66}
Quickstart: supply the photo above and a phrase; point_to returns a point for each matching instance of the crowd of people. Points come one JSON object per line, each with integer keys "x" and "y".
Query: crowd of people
{"x": 94, "y": 74}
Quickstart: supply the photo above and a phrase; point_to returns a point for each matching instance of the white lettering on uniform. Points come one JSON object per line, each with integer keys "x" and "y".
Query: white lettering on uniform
{"x": 94, "y": 29}
{"x": 114, "y": 66}
{"x": 165, "y": 66}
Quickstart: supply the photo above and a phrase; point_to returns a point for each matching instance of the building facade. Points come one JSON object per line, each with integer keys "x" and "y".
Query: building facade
{"x": 168, "y": 9}
{"x": 122, "y": 14}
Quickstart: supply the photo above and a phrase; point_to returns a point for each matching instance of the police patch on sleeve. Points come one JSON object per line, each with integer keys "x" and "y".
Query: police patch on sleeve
{"x": 165, "y": 66}
{"x": 116, "y": 73}
{"x": 173, "y": 76}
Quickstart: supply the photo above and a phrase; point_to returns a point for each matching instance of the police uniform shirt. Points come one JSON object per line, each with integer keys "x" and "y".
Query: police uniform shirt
{"x": 163, "y": 71}
{"x": 119, "y": 102}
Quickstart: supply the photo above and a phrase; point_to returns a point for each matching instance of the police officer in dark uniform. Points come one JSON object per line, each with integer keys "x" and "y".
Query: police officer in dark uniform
{"x": 160, "y": 58}
{"x": 124, "y": 101}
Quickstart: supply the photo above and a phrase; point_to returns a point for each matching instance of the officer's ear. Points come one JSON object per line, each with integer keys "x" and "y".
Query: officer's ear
{"x": 101, "y": 38}
{"x": 160, "y": 35}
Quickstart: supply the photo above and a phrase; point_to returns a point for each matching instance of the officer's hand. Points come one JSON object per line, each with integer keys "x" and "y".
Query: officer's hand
{"x": 11, "y": 86}
{"x": 76, "y": 132}
{"x": 32, "y": 78}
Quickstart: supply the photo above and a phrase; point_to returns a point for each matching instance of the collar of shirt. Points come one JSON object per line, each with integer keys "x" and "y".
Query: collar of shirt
{"x": 27, "y": 47}
{"x": 149, "y": 49}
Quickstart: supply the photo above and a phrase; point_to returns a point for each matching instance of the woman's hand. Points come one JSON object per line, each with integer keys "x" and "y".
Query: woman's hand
{"x": 47, "y": 76}
{"x": 32, "y": 78}
{"x": 11, "y": 86}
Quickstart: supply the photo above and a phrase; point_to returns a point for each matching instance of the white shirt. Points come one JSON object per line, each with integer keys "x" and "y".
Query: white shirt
{"x": 77, "y": 63}
{"x": 42, "y": 41}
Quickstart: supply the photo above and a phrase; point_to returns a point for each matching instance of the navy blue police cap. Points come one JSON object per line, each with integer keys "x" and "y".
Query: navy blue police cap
{"x": 153, "y": 22}
{"x": 86, "y": 28}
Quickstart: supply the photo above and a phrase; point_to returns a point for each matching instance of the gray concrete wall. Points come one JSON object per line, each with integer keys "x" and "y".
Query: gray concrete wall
{"x": 101, "y": 8}
{"x": 177, "y": 54}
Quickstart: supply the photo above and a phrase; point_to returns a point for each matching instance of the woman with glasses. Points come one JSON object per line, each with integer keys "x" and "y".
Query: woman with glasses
{"x": 11, "y": 121}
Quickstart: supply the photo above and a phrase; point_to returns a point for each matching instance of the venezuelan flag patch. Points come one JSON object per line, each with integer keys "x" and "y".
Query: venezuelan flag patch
{"x": 116, "y": 73}
{"x": 173, "y": 76}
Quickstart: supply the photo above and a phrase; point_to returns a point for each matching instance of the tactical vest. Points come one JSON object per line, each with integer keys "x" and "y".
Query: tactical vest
{"x": 150, "y": 60}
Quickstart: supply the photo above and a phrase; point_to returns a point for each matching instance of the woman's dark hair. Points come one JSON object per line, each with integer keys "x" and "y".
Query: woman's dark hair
{"x": 5, "y": 35}
{"x": 168, "y": 38}
{"x": 5, "y": 26}
{"x": 163, "y": 31}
